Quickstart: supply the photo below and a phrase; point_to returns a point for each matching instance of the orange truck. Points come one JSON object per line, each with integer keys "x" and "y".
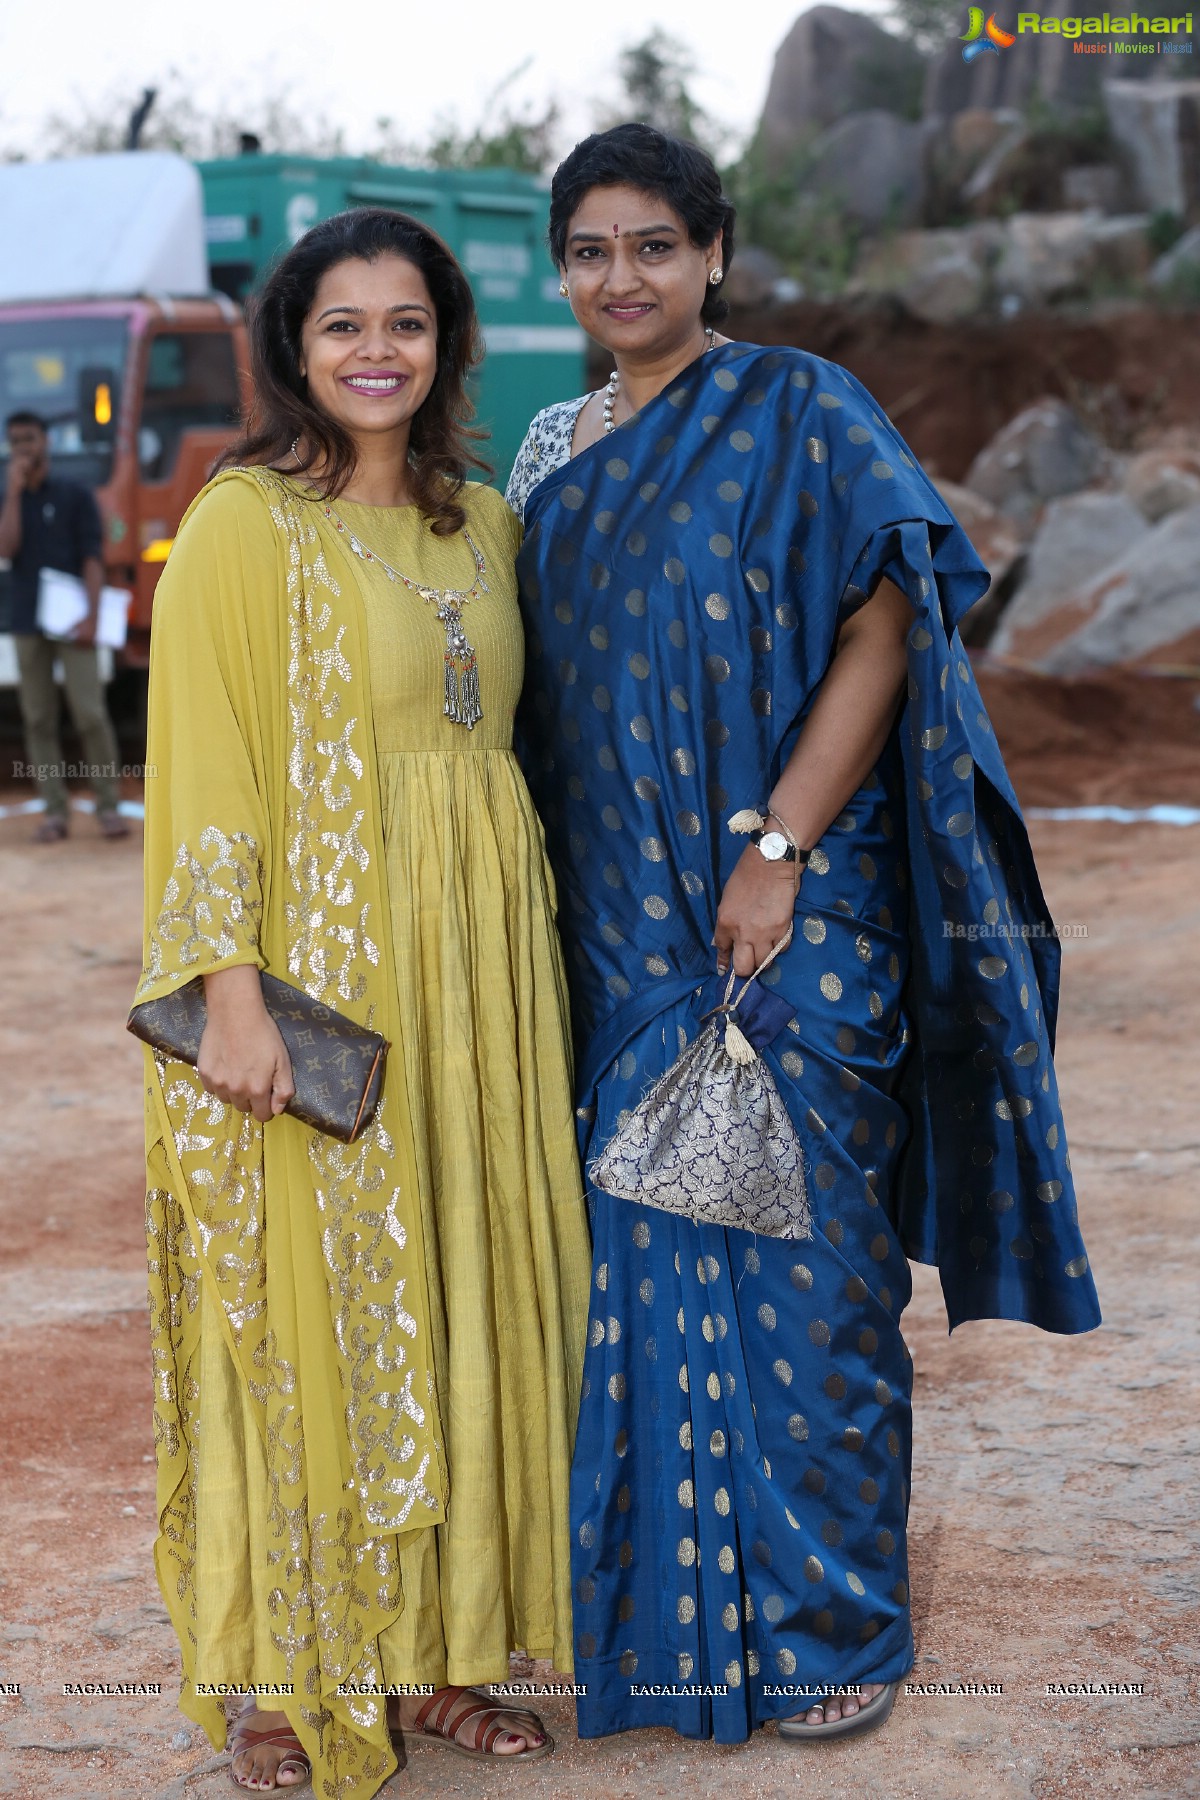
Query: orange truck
{"x": 109, "y": 330}
{"x": 118, "y": 322}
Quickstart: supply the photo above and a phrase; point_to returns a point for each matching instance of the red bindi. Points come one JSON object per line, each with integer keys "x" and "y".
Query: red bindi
{"x": 616, "y": 233}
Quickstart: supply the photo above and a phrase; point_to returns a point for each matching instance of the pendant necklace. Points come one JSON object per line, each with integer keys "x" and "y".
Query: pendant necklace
{"x": 614, "y": 383}
{"x": 461, "y": 671}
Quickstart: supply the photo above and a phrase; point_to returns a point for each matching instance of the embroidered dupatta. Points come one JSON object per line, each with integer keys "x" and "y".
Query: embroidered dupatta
{"x": 263, "y": 846}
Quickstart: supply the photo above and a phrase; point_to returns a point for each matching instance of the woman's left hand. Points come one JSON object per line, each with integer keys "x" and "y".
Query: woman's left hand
{"x": 755, "y": 912}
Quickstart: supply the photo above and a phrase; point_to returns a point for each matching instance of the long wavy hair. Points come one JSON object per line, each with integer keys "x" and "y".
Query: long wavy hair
{"x": 441, "y": 448}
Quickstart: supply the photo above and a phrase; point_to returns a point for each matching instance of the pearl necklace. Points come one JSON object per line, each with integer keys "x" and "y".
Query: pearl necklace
{"x": 614, "y": 383}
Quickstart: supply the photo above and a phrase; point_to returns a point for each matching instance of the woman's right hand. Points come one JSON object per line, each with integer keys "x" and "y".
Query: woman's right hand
{"x": 242, "y": 1057}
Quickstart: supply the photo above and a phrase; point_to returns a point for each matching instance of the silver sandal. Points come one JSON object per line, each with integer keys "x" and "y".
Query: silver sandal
{"x": 871, "y": 1713}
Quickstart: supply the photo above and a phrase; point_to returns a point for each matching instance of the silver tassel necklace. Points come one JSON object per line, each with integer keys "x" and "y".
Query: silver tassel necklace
{"x": 461, "y": 671}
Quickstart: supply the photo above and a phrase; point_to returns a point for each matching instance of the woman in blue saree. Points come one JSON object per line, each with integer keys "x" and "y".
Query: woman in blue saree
{"x": 732, "y": 565}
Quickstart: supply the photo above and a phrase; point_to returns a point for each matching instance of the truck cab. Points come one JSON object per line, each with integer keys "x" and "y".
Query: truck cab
{"x": 141, "y": 396}
{"x": 110, "y": 331}
{"x": 119, "y": 321}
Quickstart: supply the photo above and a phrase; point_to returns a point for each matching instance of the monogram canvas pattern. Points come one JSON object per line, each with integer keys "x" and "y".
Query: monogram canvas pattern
{"x": 337, "y": 1066}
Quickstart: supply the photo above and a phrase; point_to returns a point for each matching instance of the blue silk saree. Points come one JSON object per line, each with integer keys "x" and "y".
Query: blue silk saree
{"x": 740, "y": 1483}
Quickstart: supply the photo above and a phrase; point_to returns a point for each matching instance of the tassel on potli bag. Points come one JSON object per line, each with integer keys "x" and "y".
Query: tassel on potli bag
{"x": 713, "y": 1141}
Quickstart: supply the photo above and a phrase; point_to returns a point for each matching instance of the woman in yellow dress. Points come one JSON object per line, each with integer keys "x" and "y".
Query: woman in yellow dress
{"x": 367, "y": 1356}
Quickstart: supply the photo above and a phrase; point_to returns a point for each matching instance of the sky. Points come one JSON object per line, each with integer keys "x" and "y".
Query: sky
{"x": 415, "y": 61}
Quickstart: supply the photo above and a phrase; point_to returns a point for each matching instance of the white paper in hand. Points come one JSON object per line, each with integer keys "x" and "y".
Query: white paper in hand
{"x": 62, "y": 603}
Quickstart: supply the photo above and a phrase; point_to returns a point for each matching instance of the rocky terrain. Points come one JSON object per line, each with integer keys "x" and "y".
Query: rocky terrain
{"x": 1036, "y": 175}
{"x": 1069, "y": 450}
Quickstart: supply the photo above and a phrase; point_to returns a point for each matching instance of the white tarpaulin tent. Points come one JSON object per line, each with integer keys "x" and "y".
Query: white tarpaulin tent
{"x": 96, "y": 227}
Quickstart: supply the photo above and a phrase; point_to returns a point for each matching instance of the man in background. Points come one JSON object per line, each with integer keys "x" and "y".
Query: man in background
{"x": 50, "y": 523}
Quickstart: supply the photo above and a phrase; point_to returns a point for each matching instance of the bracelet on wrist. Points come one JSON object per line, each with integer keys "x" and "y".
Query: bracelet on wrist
{"x": 775, "y": 827}
{"x": 773, "y": 845}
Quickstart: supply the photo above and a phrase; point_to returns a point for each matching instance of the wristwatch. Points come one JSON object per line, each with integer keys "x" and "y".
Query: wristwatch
{"x": 775, "y": 847}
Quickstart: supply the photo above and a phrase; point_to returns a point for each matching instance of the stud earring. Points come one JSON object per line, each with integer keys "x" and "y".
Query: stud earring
{"x": 564, "y": 290}
{"x": 715, "y": 277}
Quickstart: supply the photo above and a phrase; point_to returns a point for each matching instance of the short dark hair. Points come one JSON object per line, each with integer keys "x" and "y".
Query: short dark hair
{"x": 670, "y": 168}
{"x": 442, "y": 439}
{"x": 24, "y": 417}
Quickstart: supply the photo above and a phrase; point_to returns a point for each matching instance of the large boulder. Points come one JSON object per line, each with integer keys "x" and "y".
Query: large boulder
{"x": 1144, "y": 607}
{"x": 753, "y": 276}
{"x": 1045, "y": 257}
{"x": 1162, "y": 481}
{"x": 989, "y": 187}
{"x": 1032, "y": 259}
{"x": 971, "y": 136}
{"x": 1120, "y": 250}
{"x": 1091, "y": 187}
{"x": 1156, "y": 124}
{"x": 1032, "y": 168}
{"x": 1044, "y": 452}
{"x": 955, "y": 149}
{"x": 1076, "y": 538}
{"x": 938, "y": 276}
{"x": 1057, "y": 256}
{"x": 1039, "y": 66}
{"x": 870, "y": 165}
{"x": 833, "y": 62}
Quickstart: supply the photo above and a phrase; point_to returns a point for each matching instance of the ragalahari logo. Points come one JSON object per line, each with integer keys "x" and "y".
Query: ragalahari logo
{"x": 979, "y": 37}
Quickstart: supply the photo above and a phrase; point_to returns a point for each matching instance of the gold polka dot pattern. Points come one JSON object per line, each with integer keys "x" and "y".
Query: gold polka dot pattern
{"x": 789, "y": 1379}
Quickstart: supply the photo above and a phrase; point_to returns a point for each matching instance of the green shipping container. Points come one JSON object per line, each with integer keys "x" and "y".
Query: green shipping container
{"x": 493, "y": 219}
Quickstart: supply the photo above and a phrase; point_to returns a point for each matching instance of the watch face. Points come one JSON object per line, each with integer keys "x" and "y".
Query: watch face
{"x": 773, "y": 845}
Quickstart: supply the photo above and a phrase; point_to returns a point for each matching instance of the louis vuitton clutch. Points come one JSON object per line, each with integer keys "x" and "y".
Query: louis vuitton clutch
{"x": 337, "y": 1066}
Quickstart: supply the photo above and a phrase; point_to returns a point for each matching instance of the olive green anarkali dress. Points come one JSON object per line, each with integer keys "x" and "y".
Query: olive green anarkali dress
{"x": 366, "y": 1357}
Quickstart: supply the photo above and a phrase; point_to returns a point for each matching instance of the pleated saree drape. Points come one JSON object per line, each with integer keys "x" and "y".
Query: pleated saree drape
{"x": 740, "y": 1492}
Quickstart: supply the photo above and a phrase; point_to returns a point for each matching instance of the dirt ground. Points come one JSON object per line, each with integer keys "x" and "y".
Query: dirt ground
{"x": 1053, "y": 1520}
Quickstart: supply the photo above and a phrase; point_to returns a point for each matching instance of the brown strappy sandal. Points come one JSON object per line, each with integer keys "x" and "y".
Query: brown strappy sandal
{"x": 433, "y": 1721}
{"x": 279, "y": 1737}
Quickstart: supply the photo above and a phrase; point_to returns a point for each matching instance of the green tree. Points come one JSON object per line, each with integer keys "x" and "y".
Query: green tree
{"x": 656, "y": 76}
{"x": 504, "y": 138}
{"x": 177, "y": 121}
{"x": 929, "y": 25}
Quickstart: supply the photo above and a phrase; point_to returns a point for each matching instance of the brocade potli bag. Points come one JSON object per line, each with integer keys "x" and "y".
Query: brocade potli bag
{"x": 712, "y": 1140}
